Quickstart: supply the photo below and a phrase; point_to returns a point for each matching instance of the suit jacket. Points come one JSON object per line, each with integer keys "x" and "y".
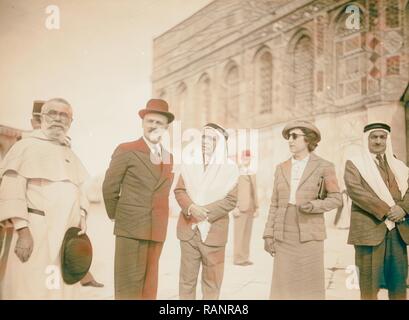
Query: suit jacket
{"x": 218, "y": 216}
{"x": 136, "y": 192}
{"x": 311, "y": 224}
{"x": 247, "y": 193}
{"x": 368, "y": 211}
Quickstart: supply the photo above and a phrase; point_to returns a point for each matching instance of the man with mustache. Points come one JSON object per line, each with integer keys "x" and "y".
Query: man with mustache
{"x": 41, "y": 193}
{"x": 136, "y": 194}
{"x": 88, "y": 280}
{"x": 377, "y": 183}
{"x": 206, "y": 192}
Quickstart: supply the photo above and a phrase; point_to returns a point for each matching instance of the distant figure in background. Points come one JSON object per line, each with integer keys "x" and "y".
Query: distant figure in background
{"x": 245, "y": 212}
{"x": 305, "y": 187}
{"x": 377, "y": 183}
{"x": 88, "y": 280}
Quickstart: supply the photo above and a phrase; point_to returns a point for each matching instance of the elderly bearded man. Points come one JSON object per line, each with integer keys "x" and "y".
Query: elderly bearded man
{"x": 377, "y": 183}
{"x": 136, "y": 194}
{"x": 41, "y": 193}
{"x": 206, "y": 192}
{"x": 88, "y": 280}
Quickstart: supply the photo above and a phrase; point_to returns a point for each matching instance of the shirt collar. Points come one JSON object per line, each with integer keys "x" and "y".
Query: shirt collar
{"x": 153, "y": 147}
{"x": 374, "y": 155}
{"x": 305, "y": 160}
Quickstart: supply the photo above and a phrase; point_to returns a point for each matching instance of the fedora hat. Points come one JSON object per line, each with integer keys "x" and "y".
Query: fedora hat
{"x": 157, "y": 106}
{"x": 76, "y": 256}
{"x": 301, "y": 124}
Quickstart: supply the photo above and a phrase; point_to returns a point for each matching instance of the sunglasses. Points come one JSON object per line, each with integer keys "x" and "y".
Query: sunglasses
{"x": 295, "y": 136}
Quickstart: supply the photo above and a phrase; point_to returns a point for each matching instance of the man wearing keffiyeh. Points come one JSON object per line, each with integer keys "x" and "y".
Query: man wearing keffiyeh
{"x": 377, "y": 183}
{"x": 206, "y": 192}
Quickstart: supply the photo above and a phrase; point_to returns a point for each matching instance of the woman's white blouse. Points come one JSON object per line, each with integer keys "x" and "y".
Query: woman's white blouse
{"x": 297, "y": 170}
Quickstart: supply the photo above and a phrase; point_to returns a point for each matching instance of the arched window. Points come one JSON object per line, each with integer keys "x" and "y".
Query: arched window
{"x": 181, "y": 98}
{"x": 232, "y": 92}
{"x": 203, "y": 100}
{"x": 406, "y": 29}
{"x": 303, "y": 73}
{"x": 350, "y": 58}
{"x": 392, "y": 13}
{"x": 162, "y": 94}
{"x": 264, "y": 81}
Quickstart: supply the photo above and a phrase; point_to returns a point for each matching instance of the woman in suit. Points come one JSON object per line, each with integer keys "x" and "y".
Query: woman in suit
{"x": 305, "y": 186}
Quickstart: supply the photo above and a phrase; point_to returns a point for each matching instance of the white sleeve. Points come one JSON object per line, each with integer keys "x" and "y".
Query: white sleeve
{"x": 13, "y": 202}
{"x": 19, "y": 223}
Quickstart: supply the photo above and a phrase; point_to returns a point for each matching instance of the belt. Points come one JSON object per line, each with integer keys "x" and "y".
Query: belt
{"x": 35, "y": 211}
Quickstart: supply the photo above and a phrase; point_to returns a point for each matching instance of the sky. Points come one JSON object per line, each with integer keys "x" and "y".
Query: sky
{"x": 99, "y": 59}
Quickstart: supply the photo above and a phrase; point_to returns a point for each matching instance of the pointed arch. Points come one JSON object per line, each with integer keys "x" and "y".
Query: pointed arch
{"x": 350, "y": 58}
{"x": 231, "y": 93}
{"x": 263, "y": 80}
{"x": 203, "y": 99}
{"x": 301, "y": 50}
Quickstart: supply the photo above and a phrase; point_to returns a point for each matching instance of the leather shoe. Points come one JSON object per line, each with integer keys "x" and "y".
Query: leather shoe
{"x": 92, "y": 283}
{"x": 245, "y": 263}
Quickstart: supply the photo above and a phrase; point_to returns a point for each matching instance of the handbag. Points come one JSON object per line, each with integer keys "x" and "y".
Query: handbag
{"x": 322, "y": 192}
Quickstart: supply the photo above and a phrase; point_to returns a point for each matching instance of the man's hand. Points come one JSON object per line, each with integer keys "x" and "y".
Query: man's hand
{"x": 198, "y": 212}
{"x": 83, "y": 226}
{"x": 306, "y": 207}
{"x": 236, "y": 212}
{"x": 396, "y": 214}
{"x": 269, "y": 246}
{"x": 25, "y": 244}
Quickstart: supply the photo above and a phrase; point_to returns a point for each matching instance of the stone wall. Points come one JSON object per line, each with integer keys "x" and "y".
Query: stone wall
{"x": 259, "y": 64}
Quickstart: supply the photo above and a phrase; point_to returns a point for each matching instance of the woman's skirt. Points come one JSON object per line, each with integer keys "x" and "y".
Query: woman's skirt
{"x": 298, "y": 272}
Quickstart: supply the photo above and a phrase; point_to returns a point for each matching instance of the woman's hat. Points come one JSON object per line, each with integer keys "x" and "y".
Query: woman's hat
{"x": 300, "y": 124}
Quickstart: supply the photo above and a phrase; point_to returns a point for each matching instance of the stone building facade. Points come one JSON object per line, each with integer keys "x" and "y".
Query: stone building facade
{"x": 260, "y": 63}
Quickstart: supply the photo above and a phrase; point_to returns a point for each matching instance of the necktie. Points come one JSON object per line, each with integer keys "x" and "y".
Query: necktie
{"x": 381, "y": 162}
{"x": 157, "y": 153}
{"x": 384, "y": 168}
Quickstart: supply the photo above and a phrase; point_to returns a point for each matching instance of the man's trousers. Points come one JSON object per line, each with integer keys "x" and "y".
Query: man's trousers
{"x": 193, "y": 254}
{"x": 385, "y": 263}
{"x": 136, "y": 268}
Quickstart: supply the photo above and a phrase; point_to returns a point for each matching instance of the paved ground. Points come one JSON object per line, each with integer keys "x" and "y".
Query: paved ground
{"x": 247, "y": 283}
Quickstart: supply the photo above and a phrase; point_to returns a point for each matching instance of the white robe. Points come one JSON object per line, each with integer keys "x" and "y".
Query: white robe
{"x": 41, "y": 175}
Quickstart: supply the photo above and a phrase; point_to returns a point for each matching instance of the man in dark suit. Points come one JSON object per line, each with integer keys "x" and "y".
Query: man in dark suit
{"x": 377, "y": 183}
{"x": 136, "y": 194}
